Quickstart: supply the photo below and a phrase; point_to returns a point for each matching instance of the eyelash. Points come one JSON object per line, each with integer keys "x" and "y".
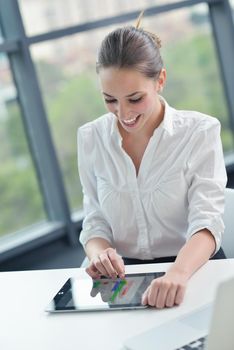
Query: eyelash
{"x": 131, "y": 101}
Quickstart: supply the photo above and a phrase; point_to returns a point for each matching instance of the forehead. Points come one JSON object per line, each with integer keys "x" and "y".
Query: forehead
{"x": 121, "y": 81}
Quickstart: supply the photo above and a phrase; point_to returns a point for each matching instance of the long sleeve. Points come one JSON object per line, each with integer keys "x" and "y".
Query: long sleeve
{"x": 94, "y": 223}
{"x": 206, "y": 176}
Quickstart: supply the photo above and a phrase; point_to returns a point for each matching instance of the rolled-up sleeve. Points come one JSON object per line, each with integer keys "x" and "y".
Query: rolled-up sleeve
{"x": 94, "y": 223}
{"x": 207, "y": 178}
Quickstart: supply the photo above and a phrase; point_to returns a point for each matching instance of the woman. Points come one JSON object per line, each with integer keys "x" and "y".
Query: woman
{"x": 153, "y": 177}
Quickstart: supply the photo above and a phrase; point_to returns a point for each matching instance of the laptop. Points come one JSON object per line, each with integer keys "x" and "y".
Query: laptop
{"x": 210, "y": 327}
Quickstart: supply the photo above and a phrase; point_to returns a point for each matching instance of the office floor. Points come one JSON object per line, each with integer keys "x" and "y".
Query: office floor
{"x": 58, "y": 254}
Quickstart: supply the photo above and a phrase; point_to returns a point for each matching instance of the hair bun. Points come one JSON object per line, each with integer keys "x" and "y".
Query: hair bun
{"x": 155, "y": 38}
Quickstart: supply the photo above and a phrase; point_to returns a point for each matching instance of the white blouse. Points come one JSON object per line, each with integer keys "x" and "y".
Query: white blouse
{"x": 179, "y": 189}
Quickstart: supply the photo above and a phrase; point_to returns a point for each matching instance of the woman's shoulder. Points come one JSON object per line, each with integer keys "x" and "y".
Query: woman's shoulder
{"x": 100, "y": 125}
{"x": 194, "y": 119}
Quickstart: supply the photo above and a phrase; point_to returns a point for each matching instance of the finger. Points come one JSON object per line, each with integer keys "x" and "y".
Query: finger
{"x": 117, "y": 263}
{"x": 94, "y": 269}
{"x": 162, "y": 295}
{"x": 170, "y": 300}
{"x": 107, "y": 264}
{"x": 153, "y": 294}
{"x": 144, "y": 299}
{"x": 93, "y": 272}
{"x": 179, "y": 295}
{"x": 100, "y": 267}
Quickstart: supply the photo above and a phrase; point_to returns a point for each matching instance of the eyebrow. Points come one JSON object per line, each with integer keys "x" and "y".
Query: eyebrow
{"x": 130, "y": 95}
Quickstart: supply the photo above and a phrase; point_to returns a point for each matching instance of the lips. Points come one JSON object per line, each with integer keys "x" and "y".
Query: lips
{"x": 131, "y": 122}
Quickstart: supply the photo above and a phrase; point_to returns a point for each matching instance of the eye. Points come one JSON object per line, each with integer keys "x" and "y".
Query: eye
{"x": 110, "y": 101}
{"x": 136, "y": 100}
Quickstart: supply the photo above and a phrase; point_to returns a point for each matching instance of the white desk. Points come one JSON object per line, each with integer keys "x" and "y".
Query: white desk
{"x": 25, "y": 326}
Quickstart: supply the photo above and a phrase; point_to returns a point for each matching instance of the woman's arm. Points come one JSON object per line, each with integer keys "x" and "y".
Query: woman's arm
{"x": 95, "y": 246}
{"x": 194, "y": 253}
{"x": 169, "y": 290}
{"x": 206, "y": 177}
{"x": 96, "y": 235}
{"x": 94, "y": 224}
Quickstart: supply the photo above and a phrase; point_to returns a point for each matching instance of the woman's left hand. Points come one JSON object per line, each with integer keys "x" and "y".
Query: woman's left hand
{"x": 165, "y": 291}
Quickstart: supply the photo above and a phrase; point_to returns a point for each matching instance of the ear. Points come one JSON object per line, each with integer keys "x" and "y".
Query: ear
{"x": 161, "y": 80}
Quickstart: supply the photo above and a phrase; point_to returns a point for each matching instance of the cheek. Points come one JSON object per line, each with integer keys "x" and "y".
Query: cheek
{"x": 110, "y": 107}
{"x": 146, "y": 105}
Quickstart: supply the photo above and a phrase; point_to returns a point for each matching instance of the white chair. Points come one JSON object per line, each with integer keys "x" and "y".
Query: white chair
{"x": 228, "y": 217}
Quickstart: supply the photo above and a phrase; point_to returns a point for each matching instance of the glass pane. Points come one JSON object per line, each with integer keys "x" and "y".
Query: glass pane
{"x": 66, "y": 70}
{"x": 21, "y": 203}
{"x": 71, "y": 92}
{"x": 193, "y": 76}
{"x": 42, "y": 16}
{"x": 232, "y": 6}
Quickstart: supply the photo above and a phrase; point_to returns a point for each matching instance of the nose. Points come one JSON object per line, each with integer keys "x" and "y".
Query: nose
{"x": 122, "y": 111}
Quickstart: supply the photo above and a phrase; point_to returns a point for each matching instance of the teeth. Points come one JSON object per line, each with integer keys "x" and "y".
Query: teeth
{"x": 129, "y": 121}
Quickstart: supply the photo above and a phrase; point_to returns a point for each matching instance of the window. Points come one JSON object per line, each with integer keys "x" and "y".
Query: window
{"x": 59, "y": 14}
{"x": 69, "y": 85}
{"x": 21, "y": 203}
{"x": 70, "y": 89}
{"x": 194, "y": 80}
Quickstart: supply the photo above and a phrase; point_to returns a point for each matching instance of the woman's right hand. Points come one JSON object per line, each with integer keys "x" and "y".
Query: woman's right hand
{"x": 107, "y": 263}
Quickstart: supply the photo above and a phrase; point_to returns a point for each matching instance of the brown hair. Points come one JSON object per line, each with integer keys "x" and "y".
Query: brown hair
{"x": 131, "y": 47}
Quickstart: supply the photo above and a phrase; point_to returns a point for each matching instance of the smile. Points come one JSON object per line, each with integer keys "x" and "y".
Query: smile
{"x": 131, "y": 122}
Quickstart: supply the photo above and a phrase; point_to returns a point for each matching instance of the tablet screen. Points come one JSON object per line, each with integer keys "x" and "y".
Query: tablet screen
{"x": 86, "y": 294}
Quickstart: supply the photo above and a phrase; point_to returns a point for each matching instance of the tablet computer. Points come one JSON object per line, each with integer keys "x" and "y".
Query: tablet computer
{"x": 86, "y": 294}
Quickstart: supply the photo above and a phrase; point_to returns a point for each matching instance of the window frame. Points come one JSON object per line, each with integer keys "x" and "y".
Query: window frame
{"x": 16, "y": 44}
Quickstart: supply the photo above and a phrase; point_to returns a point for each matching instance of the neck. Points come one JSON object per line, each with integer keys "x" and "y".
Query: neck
{"x": 156, "y": 119}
